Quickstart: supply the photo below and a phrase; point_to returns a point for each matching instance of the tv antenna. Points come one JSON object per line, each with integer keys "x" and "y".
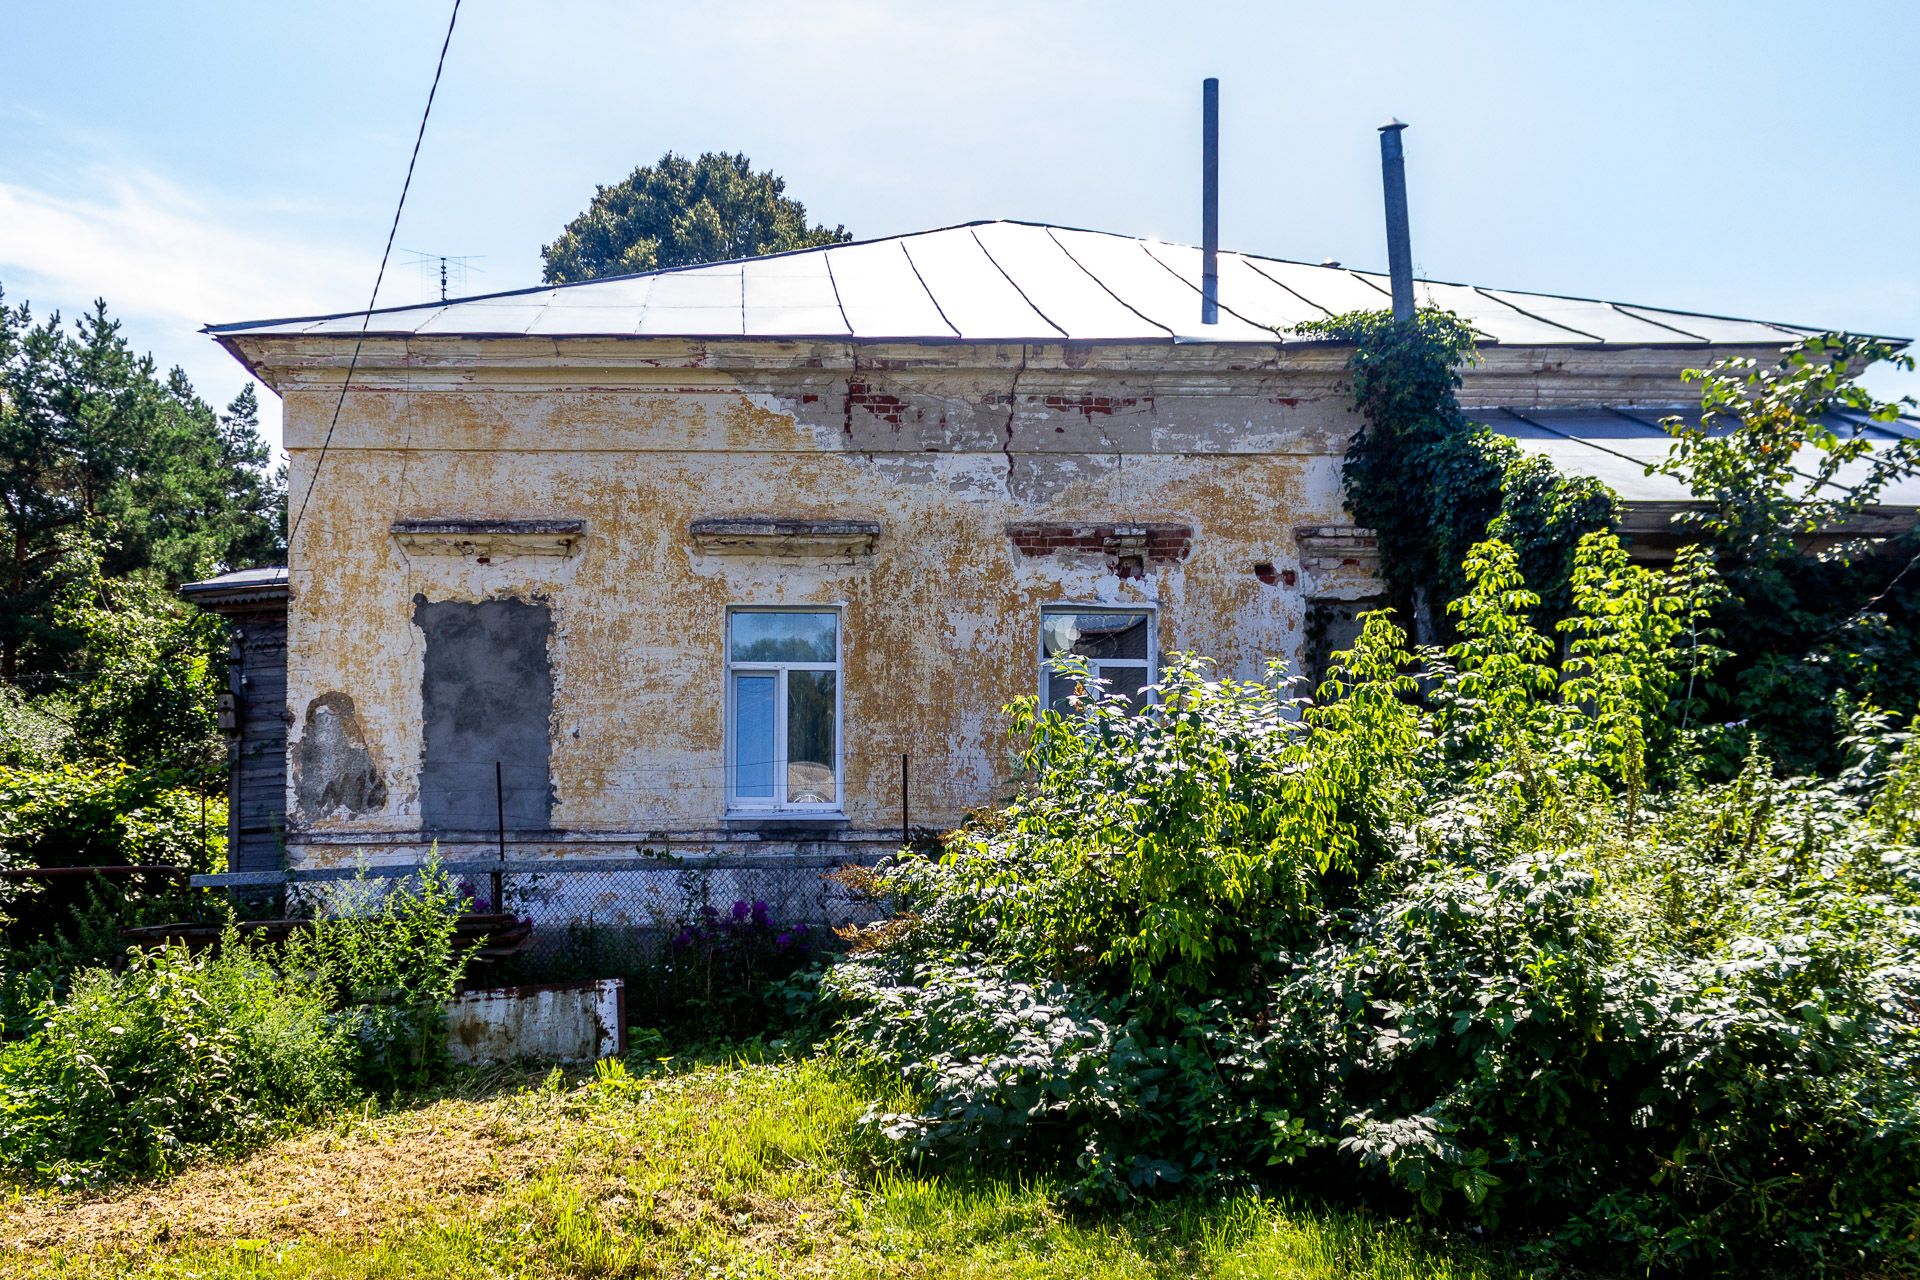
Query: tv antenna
{"x": 453, "y": 271}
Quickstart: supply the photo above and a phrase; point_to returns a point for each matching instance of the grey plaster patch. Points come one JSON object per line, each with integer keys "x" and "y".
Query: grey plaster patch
{"x": 332, "y": 769}
{"x": 486, "y": 700}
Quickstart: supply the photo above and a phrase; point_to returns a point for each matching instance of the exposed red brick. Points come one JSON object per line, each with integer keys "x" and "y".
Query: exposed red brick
{"x": 861, "y": 395}
{"x": 1162, "y": 543}
{"x": 1090, "y": 405}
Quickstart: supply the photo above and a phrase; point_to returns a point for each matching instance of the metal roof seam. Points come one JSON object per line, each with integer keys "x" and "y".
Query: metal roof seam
{"x": 1634, "y": 417}
{"x": 1644, "y": 320}
{"x": 1104, "y": 288}
{"x": 1361, "y": 277}
{"x": 1532, "y": 422}
{"x": 1798, "y": 331}
{"x": 1529, "y": 315}
{"x": 1253, "y": 265}
{"x": 928, "y": 289}
{"x": 975, "y": 236}
{"x": 1617, "y": 411}
{"x": 1196, "y": 293}
{"x": 827, "y": 260}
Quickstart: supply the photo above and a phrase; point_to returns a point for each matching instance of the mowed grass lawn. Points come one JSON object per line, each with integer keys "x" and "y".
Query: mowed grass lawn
{"x": 707, "y": 1170}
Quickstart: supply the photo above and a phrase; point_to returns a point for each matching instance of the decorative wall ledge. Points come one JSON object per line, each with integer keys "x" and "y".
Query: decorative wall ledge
{"x": 767, "y": 536}
{"x": 487, "y": 539}
{"x": 1341, "y": 561}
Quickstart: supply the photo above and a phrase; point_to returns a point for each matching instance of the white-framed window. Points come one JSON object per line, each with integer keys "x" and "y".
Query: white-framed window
{"x": 1119, "y": 644}
{"x": 783, "y": 710}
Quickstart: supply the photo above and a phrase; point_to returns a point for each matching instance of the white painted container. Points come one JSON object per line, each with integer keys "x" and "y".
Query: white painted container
{"x": 567, "y": 1021}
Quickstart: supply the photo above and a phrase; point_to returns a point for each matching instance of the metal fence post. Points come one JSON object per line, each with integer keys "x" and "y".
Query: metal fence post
{"x": 500, "y": 823}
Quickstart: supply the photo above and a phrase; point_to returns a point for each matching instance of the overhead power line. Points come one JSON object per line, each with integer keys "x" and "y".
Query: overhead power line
{"x": 385, "y": 253}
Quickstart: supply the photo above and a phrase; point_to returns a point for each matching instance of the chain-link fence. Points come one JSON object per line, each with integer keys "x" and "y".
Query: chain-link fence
{"x": 560, "y": 919}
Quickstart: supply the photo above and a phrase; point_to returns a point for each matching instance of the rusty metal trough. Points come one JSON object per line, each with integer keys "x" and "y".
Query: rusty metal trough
{"x": 568, "y": 1021}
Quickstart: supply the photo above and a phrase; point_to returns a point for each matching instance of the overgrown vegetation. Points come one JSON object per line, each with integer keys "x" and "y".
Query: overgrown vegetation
{"x": 389, "y": 961}
{"x": 116, "y": 485}
{"x": 1819, "y": 613}
{"x": 1449, "y": 954}
{"x": 173, "y": 1057}
{"x": 1823, "y": 617}
{"x": 1431, "y": 483}
{"x": 169, "y": 1056}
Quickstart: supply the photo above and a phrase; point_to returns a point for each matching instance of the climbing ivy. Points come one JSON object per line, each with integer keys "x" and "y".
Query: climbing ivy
{"x": 1431, "y": 483}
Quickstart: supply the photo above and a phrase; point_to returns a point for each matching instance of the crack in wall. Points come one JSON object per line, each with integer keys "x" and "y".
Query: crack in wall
{"x": 1013, "y": 407}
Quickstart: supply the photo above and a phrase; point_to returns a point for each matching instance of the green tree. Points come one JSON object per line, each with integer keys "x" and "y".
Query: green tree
{"x": 1821, "y": 614}
{"x": 93, "y": 438}
{"x": 679, "y": 212}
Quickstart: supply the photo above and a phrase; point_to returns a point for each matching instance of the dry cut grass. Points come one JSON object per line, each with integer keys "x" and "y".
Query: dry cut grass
{"x": 713, "y": 1171}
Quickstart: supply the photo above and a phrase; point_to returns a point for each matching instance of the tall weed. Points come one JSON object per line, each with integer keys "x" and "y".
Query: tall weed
{"x": 391, "y": 962}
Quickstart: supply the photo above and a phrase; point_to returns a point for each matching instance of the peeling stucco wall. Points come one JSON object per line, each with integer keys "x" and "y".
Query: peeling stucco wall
{"x": 945, "y": 446}
{"x": 333, "y": 773}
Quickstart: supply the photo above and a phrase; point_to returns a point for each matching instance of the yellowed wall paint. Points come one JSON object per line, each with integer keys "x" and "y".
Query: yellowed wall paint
{"x": 943, "y": 446}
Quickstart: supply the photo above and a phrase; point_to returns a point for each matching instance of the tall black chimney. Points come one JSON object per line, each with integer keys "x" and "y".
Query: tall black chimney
{"x": 1210, "y": 202}
{"x": 1393, "y": 176}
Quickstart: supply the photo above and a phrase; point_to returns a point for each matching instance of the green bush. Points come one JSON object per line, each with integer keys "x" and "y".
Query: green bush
{"x": 173, "y": 1058}
{"x": 108, "y": 815}
{"x": 58, "y": 937}
{"x": 1460, "y": 957}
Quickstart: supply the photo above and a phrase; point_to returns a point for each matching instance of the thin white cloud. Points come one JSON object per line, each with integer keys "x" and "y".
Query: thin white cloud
{"x": 168, "y": 262}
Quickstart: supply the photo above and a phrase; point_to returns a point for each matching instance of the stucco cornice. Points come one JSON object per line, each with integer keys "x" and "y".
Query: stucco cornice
{"x": 1538, "y": 375}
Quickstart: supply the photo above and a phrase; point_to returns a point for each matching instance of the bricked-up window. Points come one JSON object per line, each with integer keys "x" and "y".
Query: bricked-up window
{"x": 1116, "y": 644}
{"x": 783, "y": 710}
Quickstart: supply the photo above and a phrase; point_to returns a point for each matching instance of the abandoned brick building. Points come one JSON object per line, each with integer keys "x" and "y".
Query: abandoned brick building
{"x": 695, "y": 560}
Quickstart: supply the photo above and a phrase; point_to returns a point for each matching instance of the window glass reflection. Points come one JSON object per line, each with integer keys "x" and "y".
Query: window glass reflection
{"x": 783, "y": 637}
{"x": 810, "y": 698}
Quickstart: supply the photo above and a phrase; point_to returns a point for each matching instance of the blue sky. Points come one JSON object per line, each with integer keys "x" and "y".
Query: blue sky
{"x": 201, "y": 162}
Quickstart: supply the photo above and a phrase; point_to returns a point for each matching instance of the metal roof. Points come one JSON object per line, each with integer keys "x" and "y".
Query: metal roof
{"x": 1616, "y": 446}
{"x": 242, "y": 587}
{"x": 1009, "y": 282}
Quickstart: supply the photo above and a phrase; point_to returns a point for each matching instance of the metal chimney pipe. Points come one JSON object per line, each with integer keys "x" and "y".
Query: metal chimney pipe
{"x": 1393, "y": 177}
{"x": 1210, "y": 202}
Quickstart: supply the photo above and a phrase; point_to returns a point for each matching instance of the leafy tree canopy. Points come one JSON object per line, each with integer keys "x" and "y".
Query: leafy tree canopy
{"x": 95, "y": 443}
{"x": 679, "y": 212}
